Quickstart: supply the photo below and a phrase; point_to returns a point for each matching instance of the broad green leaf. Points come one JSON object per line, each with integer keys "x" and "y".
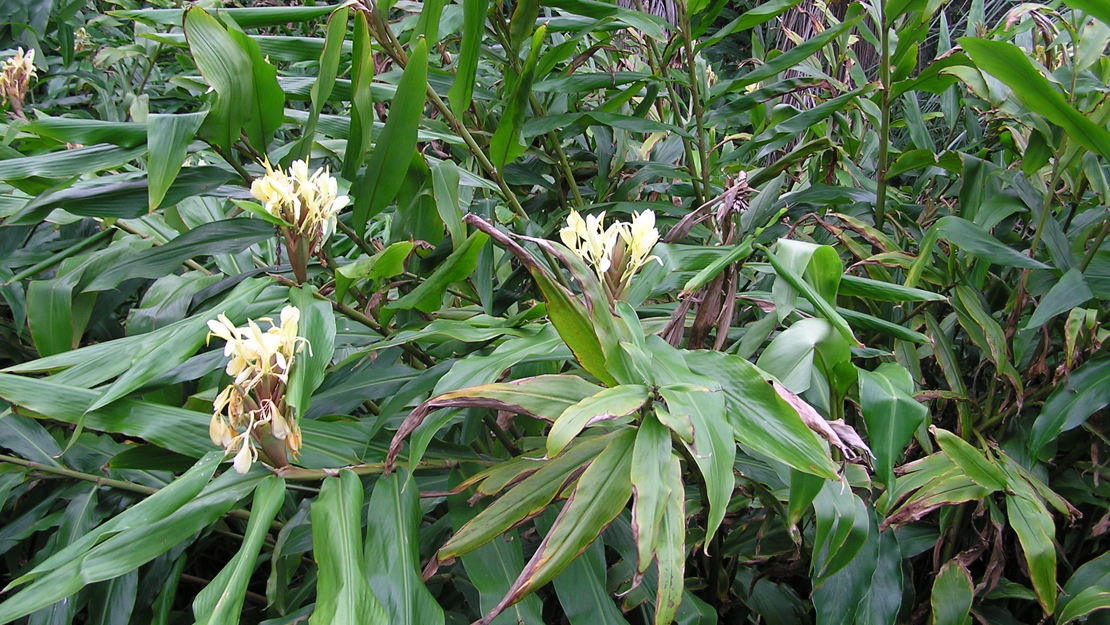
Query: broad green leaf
{"x": 600, "y": 495}
{"x": 362, "y": 101}
{"x": 143, "y": 513}
{"x": 445, "y": 184}
{"x": 393, "y": 553}
{"x": 131, "y": 548}
{"x": 671, "y": 548}
{"x": 343, "y": 592}
{"x": 815, "y": 297}
{"x": 974, "y": 240}
{"x": 317, "y": 326}
{"x": 582, "y": 587}
{"x": 985, "y": 332}
{"x": 610, "y": 403}
{"x": 491, "y": 568}
{"x": 221, "y": 601}
{"x": 1070, "y": 291}
{"x": 394, "y": 147}
{"x": 171, "y": 134}
{"x": 461, "y": 263}
{"x": 507, "y": 143}
{"x": 226, "y": 67}
{"x": 90, "y": 131}
{"x": 1036, "y": 533}
{"x": 217, "y": 237}
{"x": 50, "y": 316}
{"x": 790, "y": 355}
{"x": 751, "y": 18}
{"x": 1012, "y": 66}
{"x": 68, "y": 163}
{"x": 972, "y": 461}
{"x": 267, "y": 110}
{"x": 842, "y": 528}
{"x": 120, "y": 196}
{"x": 651, "y": 460}
{"x": 251, "y": 17}
{"x": 884, "y": 291}
{"x": 713, "y": 449}
{"x": 1091, "y": 7}
{"x": 386, "y": 264}
{"x": 952, "y": 595}
{"x": 1086, "y": 601}
{"x": 761, "y": 420}
{"x": 325, "y": 79}
{"x": 524, "y": 500}
{"x": 1083, "y": 392}
{"x": 466, "y": 68}
{"x": 891, "y": 413}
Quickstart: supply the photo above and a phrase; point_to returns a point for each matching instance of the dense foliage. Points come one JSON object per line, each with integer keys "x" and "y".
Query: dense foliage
{"x": 555, "y": 312}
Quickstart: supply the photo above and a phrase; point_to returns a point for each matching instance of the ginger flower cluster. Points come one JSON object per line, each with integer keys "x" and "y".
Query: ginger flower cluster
{"x": 310, "y": 204}
{"x": 252, "y": 412}
{"x": 15, "y": 76}
{"x": 615, "y": 253}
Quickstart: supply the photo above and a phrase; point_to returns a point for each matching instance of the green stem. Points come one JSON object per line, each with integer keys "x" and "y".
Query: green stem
{"x": 884, "y": 120}
{"x": 695, "y": 96}
{"x": 1090, "y": 255}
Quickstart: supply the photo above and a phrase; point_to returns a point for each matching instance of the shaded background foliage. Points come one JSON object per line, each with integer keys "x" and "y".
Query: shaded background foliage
{"x": 895, "y": 211}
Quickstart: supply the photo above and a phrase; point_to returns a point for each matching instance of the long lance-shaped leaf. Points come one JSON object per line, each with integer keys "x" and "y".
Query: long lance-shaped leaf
{"x": 144, "y": 513}
{"x": 325, "y": 80}
{"x": 506, "y": 143}
{"x": 342, "y": 583}
{"x": 393, "y": 555}
{"x": 1036, "y": 533}
{"x": 651, "y": 459}
{"x": 225, "y": 66}
{"x": 523, "y": 501}
{"x": 610, "y": 403}
{"x": 172, "y": 134}
{"x": 466, "y": 69}
{"x": 952, "y": 595}
{"x": 601, "y": 494}
{"x": 362, "y": 100}
{"x": 395, "y": 146}
{"x": 221, "y": 601}
{"x": 317, "y": 326}
{"x": 130, "y": 549}
{"x": 670, "y": 548}
{"x": 891, "y": 413}
{"x": 1011, "y": 65}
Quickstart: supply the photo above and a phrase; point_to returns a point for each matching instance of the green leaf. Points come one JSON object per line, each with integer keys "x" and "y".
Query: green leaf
{"x": 217, "y": 237}
{"x": 395, "y": 146}
{"x": 342, "y": 585}
{"x": 317, "y": 326}
{"x": 651, "y": 460}
{"x": 713, "y": 449}
{"x": 815, "y": 297}
{"x": 120, "y": 196}
{"x": 891, "y": 413}
{"x": 393, "y": 554}
{"x": 610, "y": 403}
{"x": 221, "y": 601}
{"x": 225, "y": 65}
{"x": 252, "y": 17}
{"x": 325, "y": 80}
{"x": 1012, "y": 66}
{"x": 50, "y": 315}
{"x": 582, "y": 587}
{"x": 507, "y": 142}
{"x": 600, "y": 495}
{"x": 884, "y": 291}
{"x": 843, "y": 526}
{"x": 1091, "y": 7}
{"x": 1086, "y": 601}
{"x": 952, "y": 595}
{"x": 461, "y": 263}
{"x": 761, "y": 420}
{"x": 466, "y": 69}
{"x": 1084, "y": 392}
{"x": 362, "y": 101}
{"x": 90, "y": 131}
{"x": 1036, "y": 533}
{"x": 68, "y": 163}
{"x": 172, "y": 135}
{"x": 524, "y": 500}
{"x": 671, "y": 549}
{"x": 751, "y": 18}
{"x": 1069, "y": 291}
{"x": 985, "y": 331}
{"x": 973, "y": 239}
{"x": 131, "y": 548}
{"x": 972, "y": 461}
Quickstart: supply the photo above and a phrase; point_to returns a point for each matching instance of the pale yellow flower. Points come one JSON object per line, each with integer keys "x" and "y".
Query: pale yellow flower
{"x": 15, "y": 76}
{"x": 310, "y": 203}
{"x": 259, "y": 363}
{"x": 598, "y": 246}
